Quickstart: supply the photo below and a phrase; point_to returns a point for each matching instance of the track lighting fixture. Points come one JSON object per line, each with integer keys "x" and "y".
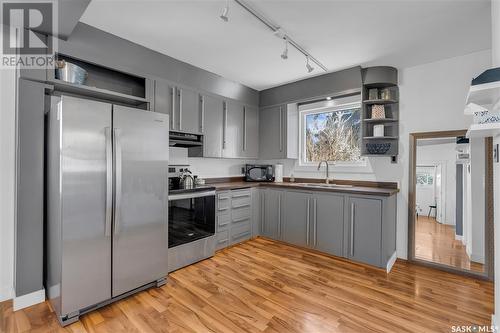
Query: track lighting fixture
{"x": 284, "y": 55}
{"x": 308, "y": 66}
{"x": 225, "y": 11}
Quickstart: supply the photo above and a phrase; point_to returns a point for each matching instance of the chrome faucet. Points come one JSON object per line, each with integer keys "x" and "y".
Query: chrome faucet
{"x": 327, "y": 179}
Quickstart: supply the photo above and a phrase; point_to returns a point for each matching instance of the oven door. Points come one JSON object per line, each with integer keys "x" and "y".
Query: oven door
{"x": 191, "y": 216}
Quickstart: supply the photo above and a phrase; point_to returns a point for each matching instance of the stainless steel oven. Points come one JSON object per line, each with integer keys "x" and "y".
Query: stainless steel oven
{"x": 191, "y": 215}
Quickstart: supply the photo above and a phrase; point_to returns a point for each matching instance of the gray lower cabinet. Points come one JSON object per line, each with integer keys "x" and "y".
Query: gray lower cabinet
{"x": 272, "y": 213}
{"x": 327, "y": 234}
{"x": 234, "y": 217}
{"x": 296, "y": 218}
{"x": 359, "y": 227}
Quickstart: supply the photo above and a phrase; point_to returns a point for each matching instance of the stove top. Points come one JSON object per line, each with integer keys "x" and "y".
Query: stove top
{"x": 176, "y": 188}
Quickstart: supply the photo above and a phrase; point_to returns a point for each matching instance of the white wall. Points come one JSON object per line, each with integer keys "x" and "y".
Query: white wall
{"x": 446, "y": 155}
{"x": 7, "y": 151}
{"x": 477, "y": 182}
{"x": 432, "y": 98}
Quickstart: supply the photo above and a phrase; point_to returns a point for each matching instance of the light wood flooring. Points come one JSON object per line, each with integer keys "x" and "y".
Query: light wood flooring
{"x": 266, "y": 286}
{"x": 436, "y": 242}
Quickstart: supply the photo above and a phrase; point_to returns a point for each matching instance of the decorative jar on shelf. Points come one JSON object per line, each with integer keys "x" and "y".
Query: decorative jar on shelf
{"x": 378, "y": 111}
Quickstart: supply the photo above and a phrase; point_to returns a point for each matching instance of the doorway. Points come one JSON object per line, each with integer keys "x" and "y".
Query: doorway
{"x": 450, "y": 197}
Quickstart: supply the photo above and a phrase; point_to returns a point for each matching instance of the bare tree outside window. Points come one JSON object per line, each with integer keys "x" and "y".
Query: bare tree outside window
{"x": 333, "y": 136}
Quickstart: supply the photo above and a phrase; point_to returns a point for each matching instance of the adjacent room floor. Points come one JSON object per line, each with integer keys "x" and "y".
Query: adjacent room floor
{"x": 266, "y": 286}
{"x": 436, "y": 242}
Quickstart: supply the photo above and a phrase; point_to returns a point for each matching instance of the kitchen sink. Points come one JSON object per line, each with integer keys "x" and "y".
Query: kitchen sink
{"x": 324, "y": 185}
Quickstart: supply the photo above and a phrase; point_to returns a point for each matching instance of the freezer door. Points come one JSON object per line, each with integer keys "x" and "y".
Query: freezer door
{"x": 140, "y": 229}
{"x": 85, "y": 187}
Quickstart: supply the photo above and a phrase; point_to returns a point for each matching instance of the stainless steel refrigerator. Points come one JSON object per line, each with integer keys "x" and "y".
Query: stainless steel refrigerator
{"x": 107, "y": 218}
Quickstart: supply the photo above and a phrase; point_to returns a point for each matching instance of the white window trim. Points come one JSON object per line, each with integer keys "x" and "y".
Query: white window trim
{"x": 337, "y": 166}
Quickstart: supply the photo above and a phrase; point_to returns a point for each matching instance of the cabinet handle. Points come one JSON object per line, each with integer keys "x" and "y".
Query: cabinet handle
{"x": 222, "y": 241}
{"x": 307, "y": 220}
{"x": 315, "y": 222}
{"x": 224, "y": 127}
{"x": 241, "y": 195}
{"x": 281, "y": 129}
{"x": 202, "y": 113}
{"x": 172, "y": 114}
{"x": 223, "y": 224}
{"x": 240, "y": 235}
{"x": 241, "y": 219}
{"x": 352, "y": 229}
{"x": 223, "y": 209}
{"x": 241, "y": 206}
{"x": 262, "y": 211}
{"x": 244, "y": 128}
{"x": 180, "y": 108}
{"x": 279, "y": 216}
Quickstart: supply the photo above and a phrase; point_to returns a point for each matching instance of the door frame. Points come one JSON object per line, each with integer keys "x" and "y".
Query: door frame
{"x": 489, "y": 240}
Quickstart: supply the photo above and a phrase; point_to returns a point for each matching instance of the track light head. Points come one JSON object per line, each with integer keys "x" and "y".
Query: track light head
{"x": 308, "y": 66}
{"x": 284, "y": 55}
{"x": 225, "y": 11}
{"x": 224, "y": 16}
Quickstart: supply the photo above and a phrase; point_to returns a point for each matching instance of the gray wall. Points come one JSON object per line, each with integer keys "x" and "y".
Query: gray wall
{"x": 94, "y": 45}
{"x": 337, "y": 83}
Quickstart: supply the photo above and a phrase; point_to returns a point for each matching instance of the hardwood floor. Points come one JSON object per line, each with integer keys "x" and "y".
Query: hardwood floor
{"x": 436, "y": 242}
{"x": 266, "y": 286}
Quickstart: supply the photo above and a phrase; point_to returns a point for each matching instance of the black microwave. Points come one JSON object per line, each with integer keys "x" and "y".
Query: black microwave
{"x": 259, "y": 173}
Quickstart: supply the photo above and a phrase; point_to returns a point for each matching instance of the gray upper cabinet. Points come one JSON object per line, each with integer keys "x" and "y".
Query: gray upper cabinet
{"x": 272, "y": 213}
{"x": 188, "y": 107}
{"x": 272, "y": 132}
{"x": 164, "y": 100}
{"x": 250, "y": 132}
{"x": 327, "y": 232}
{"x": 233, "y": 130}
{"x": 365, "y": 230}
{"x": 212, "y": 116}
{"x": 296, "y": 218}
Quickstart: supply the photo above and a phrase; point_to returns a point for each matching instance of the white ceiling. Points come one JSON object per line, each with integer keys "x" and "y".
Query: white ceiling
{"x": 340, "y": 34}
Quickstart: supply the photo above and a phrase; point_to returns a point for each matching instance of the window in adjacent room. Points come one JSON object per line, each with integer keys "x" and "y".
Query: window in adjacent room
{"x": 331, "y": 130}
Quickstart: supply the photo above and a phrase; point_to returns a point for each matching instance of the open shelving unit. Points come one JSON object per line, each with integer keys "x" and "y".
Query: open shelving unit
{"x": 380, "y": 77}
{"x": 106, "y": 84}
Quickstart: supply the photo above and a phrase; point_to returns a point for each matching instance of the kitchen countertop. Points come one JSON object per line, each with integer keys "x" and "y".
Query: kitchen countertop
{"x": 381, "y": 191}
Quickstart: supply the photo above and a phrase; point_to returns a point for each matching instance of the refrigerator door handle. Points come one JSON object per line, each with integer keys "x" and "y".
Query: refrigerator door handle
{"x": 118, "y": 178}
{"x": 109, "y": 181}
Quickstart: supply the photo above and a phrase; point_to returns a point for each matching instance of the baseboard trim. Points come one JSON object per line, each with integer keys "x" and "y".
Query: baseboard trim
{"x": 30, "y": 299}
{"x": 391, "y": 261}
{"x": 6, "y": 293}
{"x": 459, "y": 237}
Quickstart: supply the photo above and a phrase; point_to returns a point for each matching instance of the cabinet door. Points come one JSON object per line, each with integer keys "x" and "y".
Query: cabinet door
{"x": 365, "y": 230}
{"x": 164, "y": 100}
{"x": 233, "y": 130}
{"x": 272, "y": 133}
{"x": 328, "y": 226}
{"x": 296, "y": 218}
{"x": 272, "y": 214}
{"x": 190, "y": 110}
{"x": 212, "y": 117}
{"x": 251, "y": 132}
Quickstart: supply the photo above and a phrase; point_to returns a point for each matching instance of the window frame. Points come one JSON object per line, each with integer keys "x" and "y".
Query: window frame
{"x": 325, "y": 109}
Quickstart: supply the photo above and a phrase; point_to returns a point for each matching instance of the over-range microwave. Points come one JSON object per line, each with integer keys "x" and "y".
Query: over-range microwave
{"x": 259, "y": 173}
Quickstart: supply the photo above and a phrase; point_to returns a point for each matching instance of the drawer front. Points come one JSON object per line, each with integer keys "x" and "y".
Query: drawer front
{"x": 223, "y": 202}
{"x": 222, "y": 240}
{"x": 240, "y": 213}
{"x": 223, "y": 221}
{"x": 241, "y": 198}
{"x": 240, "y": 233}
